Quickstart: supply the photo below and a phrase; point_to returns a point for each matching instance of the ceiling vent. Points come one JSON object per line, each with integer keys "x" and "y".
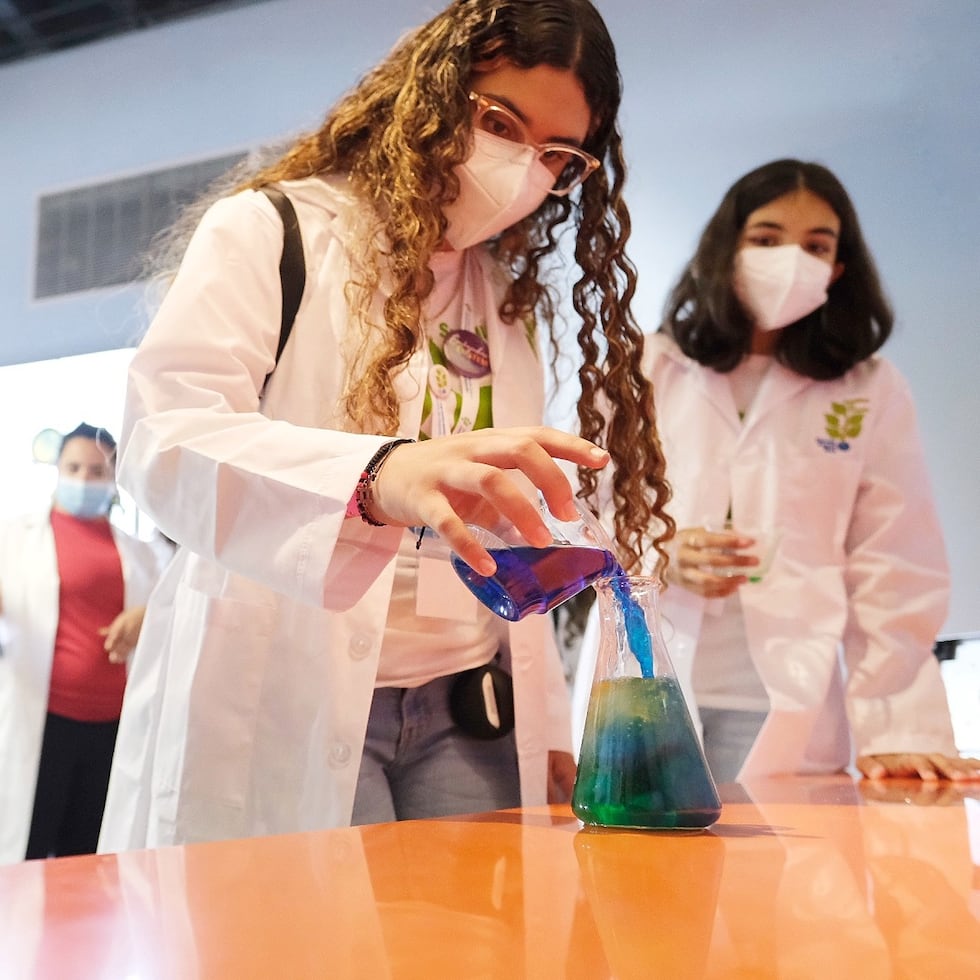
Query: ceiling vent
{"x": 96, "y": 236}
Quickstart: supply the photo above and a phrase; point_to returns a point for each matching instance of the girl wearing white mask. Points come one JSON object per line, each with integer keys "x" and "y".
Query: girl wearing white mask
{"x": 297, "y": 666}
{"x": 777, "y": 415}
{"x": 73, "y": 588}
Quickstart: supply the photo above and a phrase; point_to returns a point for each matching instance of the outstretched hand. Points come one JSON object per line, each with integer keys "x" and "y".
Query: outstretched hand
{"x": 929, "y": 766}
{"x": 448, "y": 482}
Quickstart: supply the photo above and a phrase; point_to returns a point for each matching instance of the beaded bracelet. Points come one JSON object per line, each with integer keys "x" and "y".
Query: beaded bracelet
{"x": 362, "y": 492}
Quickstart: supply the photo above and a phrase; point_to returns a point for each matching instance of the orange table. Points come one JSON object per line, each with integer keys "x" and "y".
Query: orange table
{"x": 799, "y": 878}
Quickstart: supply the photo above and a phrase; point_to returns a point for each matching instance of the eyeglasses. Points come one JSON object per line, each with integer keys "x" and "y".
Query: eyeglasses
{"x": 569, "y": 164}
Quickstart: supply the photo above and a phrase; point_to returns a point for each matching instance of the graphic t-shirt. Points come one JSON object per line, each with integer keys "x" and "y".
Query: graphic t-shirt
{"x": 426, "y": 638}
{"x": 460, "y": 382}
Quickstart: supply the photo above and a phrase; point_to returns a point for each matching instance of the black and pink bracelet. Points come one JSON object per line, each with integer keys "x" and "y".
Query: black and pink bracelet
{"x": 361, "y": 497}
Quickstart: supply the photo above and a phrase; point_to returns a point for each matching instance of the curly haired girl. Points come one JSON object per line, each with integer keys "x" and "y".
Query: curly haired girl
{"x": 304, "y": 660}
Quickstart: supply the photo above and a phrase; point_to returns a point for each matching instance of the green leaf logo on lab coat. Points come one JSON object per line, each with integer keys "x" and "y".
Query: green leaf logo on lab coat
{"x": 845, "y": 418}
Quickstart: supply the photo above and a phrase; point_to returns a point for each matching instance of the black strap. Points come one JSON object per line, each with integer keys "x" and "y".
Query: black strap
{"x": 292, "y": 265}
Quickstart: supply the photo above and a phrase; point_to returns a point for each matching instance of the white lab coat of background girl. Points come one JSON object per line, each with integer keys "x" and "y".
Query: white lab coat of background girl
{"x": 841, "y": 627}
{"x": 30, "y": 589}
{"x": 252, "y": 683}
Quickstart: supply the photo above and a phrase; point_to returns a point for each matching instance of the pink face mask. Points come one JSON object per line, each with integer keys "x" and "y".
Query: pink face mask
{"x": 501, "y": 183}
{"x": 779, "y": 285}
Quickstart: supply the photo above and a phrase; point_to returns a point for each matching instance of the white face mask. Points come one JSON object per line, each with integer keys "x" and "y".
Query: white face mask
{"x": 780, "y": 285}
{"x": 499, "y": 184}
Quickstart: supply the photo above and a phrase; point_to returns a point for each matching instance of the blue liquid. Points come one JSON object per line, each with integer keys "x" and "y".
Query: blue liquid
{"x": 534, "y": 580}
{"x": 637, "y": 631}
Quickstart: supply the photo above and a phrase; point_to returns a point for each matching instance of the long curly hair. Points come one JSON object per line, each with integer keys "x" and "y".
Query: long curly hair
{"x": 398, "y": 136}
{"x": 703, "y": 313}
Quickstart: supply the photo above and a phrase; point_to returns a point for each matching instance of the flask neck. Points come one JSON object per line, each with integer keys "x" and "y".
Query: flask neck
{"x": 630, "y": 639}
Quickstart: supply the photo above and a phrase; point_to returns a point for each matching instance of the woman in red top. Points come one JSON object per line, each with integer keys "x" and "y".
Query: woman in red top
{"x": 99, "y": 580}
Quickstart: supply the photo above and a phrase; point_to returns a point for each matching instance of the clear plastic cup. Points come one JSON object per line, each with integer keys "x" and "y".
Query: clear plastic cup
{"x": 765, "y": 543}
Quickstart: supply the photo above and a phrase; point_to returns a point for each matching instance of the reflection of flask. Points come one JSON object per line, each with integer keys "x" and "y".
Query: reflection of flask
{"x": 640, "y": 764}
{"x": 653, "y": 901}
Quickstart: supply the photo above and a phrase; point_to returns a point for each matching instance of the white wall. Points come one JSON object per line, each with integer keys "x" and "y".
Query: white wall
{"x": 882, "y": 91}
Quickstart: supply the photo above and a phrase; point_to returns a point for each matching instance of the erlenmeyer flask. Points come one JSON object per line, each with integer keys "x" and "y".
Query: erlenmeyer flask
{"x": 535, "y": 580}
{"x": 641, "y": 763}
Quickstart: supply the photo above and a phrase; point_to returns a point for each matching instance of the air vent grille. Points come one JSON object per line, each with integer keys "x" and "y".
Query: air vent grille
{"x": 93, "y": 237}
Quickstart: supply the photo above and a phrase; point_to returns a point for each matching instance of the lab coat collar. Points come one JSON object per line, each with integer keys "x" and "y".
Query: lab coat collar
{"x": 711, "y": 385}
{"x": 779, "y": 385}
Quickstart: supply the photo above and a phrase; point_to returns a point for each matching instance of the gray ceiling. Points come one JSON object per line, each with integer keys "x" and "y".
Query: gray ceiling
{"x": 29, "y": 28}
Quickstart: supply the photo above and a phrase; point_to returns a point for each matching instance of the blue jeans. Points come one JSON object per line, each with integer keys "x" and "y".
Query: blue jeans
{"x": 417, "y": 763}
{"x": 728, "y": 736}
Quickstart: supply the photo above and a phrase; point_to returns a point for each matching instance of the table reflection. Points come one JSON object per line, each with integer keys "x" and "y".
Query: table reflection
{"x": 855, "y": 879}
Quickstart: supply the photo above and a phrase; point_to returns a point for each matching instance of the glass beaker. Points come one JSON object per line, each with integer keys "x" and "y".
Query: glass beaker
{"x": 535, "y": 580}
{"x": 641, "y": 763}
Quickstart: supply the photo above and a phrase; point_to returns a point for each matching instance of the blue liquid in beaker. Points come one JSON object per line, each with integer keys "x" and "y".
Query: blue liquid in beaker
{"x": 534, "y": 580}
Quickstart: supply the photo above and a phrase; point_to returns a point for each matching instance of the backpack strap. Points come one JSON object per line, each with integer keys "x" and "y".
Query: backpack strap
{"x": 292, "y": 265}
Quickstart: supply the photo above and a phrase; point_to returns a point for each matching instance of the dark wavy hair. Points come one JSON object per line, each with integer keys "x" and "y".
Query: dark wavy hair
{"x": 398, "y": 136}
{"x": 99, "y": 436}
{"x": 709, "y": 324}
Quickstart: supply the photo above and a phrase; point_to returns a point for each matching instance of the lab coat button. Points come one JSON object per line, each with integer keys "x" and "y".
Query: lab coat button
{"x": 339, "y": 755}
{"x": 360, "y": 646}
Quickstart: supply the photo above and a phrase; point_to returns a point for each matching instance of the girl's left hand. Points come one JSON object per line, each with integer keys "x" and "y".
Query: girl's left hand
{"x": 929, "y": 766}
{"x": 122, "y": 633}
{"x": 699, "y": 553}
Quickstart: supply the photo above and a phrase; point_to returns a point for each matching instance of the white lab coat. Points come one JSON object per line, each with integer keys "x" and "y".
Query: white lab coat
{"x": 250, "y": 689}
{"x": 842, "y": 626}
{"x": 29, "y": 587}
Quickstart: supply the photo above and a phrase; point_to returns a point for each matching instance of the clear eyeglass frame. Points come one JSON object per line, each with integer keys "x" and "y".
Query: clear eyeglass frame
{"x": 570, "y": 165}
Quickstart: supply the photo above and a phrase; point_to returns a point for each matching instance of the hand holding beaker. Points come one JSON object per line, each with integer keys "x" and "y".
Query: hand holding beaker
{"x": 716, "y": 559}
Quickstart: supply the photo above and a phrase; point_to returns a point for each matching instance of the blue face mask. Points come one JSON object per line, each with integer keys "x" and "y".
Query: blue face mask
{"x": 84, "y": 498}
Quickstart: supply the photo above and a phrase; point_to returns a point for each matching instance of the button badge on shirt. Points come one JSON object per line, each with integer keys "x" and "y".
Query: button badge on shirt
{"x": 467, "y": 353}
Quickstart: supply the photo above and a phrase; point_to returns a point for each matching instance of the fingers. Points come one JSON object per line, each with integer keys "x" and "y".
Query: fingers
{"x": 708, "y": 563}
{"x": 500, "y": 501}
{"x": 121, "y": 635}
{"x": 111, "y": 634}
{"x": 918, "y": 792}
{"x": 447, "y": 482}
{"x": 964, "y": 769}
{"x": 450, "y": 526}
{"x": 928, "y": 767}
{"x": 536, "y": 459}
{"x": 707, "y": 584}
{"x": 870, "y": 767}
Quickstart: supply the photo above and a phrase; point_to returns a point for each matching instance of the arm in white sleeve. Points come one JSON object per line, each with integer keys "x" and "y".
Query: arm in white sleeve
{"x": 264, "y": 498}
{"x": 898, "y": 586}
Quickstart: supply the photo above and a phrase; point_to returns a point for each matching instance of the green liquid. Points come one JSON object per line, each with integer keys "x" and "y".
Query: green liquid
{"x": 641, "y": 764}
